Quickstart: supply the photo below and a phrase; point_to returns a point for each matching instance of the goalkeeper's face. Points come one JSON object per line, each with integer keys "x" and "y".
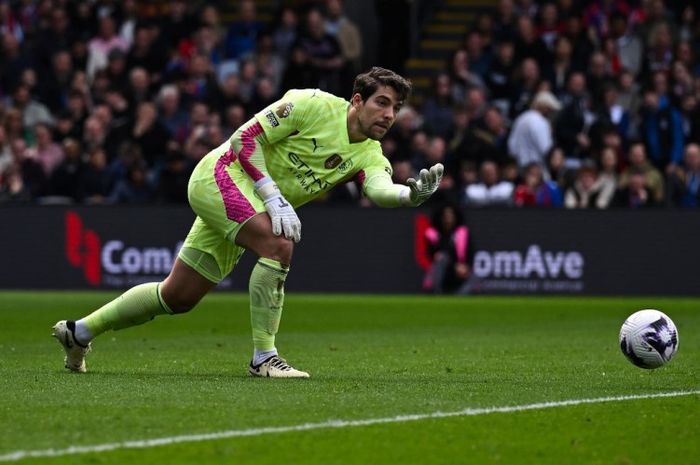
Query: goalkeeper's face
{"x": 377, "y": 114}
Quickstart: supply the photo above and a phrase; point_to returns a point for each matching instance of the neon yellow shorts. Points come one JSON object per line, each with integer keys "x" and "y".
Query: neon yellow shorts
{"x": 224, "y": 199}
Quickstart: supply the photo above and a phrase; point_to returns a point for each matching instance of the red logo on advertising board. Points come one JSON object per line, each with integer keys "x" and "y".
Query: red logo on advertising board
{"x": 83, "y": 248}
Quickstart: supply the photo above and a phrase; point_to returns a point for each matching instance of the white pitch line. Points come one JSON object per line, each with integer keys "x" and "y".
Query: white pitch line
{"x": 146, "y": 443}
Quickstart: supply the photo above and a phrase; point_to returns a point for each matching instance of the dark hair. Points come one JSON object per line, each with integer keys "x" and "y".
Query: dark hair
{"x": 367, "y": 83}
{"x": 436, "y": 216}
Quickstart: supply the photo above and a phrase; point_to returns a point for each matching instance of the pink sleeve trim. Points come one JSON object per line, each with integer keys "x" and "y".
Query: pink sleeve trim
{"x": 248, "y": 148}
{"x": 432, "y": 235}
{"x": 360, "y": 177}
{"x": 461, "y": 241}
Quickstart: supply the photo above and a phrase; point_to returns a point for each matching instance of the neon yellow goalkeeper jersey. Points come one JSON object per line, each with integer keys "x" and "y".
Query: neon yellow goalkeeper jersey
{"x": 308, "y": 151}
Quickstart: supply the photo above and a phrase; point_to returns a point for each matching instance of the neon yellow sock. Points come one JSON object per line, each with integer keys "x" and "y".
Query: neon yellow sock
{"x": 134, "y": 307}
{"x": 266, "y": 301}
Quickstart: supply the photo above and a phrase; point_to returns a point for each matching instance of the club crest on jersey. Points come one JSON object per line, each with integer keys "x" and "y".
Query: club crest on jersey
{"x": 333, "y": 161}
{"x": 345, "y": 166}
{"x": 271, "y": 118}
{"x": 284, "y": 109}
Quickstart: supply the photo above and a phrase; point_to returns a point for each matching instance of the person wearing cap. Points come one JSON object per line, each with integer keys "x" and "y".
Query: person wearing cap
{"x": 531, "y": 136}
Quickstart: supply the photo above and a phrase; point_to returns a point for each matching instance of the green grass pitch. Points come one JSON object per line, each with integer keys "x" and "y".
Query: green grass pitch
{"x": 370, "y": 357}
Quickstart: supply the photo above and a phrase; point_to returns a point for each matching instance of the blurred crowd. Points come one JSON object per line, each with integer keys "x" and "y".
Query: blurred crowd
{"x": 576, "y": 104}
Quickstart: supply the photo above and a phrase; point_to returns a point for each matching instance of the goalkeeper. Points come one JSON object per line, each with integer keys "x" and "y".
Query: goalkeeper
{"x": 245, "y": 194}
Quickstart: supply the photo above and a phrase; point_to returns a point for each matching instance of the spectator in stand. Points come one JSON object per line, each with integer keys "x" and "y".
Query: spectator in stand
{"x": 490, "y": 190}
{"x": 144, "y": 53}
{"x": 479, "y": 56}
{"x": 686, "y": 55}
{"x": 559, "y": 70}
{"x": 46, "y": 152}
{"x": 628, "y": 46}
{"x": 684, "y": 181}
{"x": 523, "y": 90}
{"x": 573, "y": 122}
{"x": 324, "y": 53}
{"x": 501, "y": 74}
{"x": 96, "y": 180}
{"x": 58, "y": 36}
{"x": 659, "y": 55}
{"x": 690, "y": 115}
{"x": 285, "y": 32}
{"x": 635, "y": 193}
{"x": 535, "y": 191}
{"x": 662, "y": 131}
{"x": 556, "y": 166}
{"x": 580, "y": 38}
{"x": 139, "y": 87}
{"x": 682, "y": 83}
{"x": 172, "y": 187}
{"x": 129, "y": 19}
{"x": 100, "y": 46}
{"x": 549, "y": 28}
{"x": 629, "y": 100}
{"x": 234, "y": 117}
{"x": 94, "y": 134}
{"x": 505, "y": 24}
{"x": 531, "y": 136}
{"x": 585, "y": 191}
{"x": 269, "y": 65}
{"x": 33, "y": 112}
{"x": 5, "y": 153}
{"x": 347, "y": 34}
{"x": 487, "y": 141}
{"x": 178, "y": 24}
{"x": 134, "y": 189}
{"x": 607, "y": 177}
{"x": 638, "y": 163}
{"x": 200, "y": 83}
{"x": 438, "y": 108}
{"x": 610, "y": 114}
{"x": 28, "y": 178}
{"x": 13, "y": 62}
{"x": 462, "y": 78}
{"x": 599, "y": 75}
{"x": 149, "y": 134}
{"x": 171, "y": 114}
{"x": 485, "y": 27}
{"x": 529, "y": 45}
{"x": 65, "y": 179}
{"x": 243, "y": 33}
{"x": 206, "y": 43}
{"x": 54, "y": 92}
{"x": 447, "y": 243}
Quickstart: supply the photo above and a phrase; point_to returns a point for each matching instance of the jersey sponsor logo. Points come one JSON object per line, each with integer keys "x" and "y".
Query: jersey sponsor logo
{"x": 306, "y": 177}
{"x": 284, "y": 109}
{"x": 345, "y": 167}
{"x": 271, "y": 119}
{"x": 332, "y": 161}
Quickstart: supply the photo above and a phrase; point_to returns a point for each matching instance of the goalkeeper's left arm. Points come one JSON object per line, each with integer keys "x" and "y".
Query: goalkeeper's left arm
{"x": 382, "y": 191}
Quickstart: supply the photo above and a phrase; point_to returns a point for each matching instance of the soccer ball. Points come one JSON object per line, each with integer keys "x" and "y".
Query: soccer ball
{"x": 649, "y": 339}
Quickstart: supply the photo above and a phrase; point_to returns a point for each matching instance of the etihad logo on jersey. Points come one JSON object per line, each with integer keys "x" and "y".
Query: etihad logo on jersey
{"x": 284, "y": 109}
{"x": 113, "y": 263}
{"x": 306, "y": 177}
